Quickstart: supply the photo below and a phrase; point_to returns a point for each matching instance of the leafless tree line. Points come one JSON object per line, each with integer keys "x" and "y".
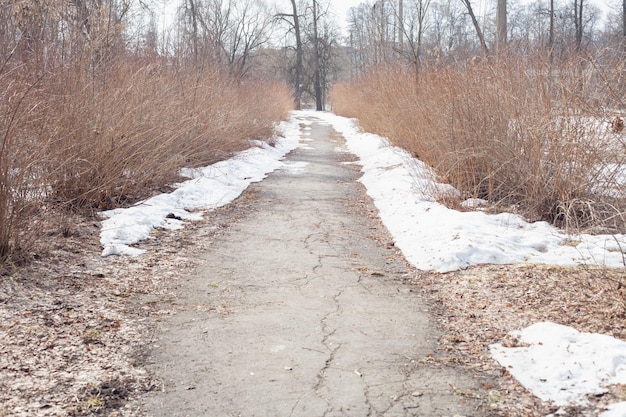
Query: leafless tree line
{"x": 296, "y": 40}
{"x": 57, "y": 33}
{"x": 310, "y": 49}
{"x": 223, "y": 32}
{"x": 414, "y": 31}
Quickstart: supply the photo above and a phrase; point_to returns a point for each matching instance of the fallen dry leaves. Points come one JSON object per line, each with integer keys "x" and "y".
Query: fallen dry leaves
{"x": 74, "y": 326}
{"x": 479, "y": 306}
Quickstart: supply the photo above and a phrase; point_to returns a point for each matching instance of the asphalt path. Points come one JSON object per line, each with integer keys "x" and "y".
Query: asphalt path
{"x": 299, "y": 309}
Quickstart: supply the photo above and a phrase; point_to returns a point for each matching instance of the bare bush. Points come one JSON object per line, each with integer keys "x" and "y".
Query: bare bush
{"x": 111, "y": 143}
{"x": 20, "y": 176}
{"x": 84, "y": 142}
{"x": 522, "y": 134}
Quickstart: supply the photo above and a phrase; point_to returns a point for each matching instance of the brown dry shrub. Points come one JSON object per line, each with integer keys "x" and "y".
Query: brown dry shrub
{"x": 111, "y": 141}
{"x": 20, "y": 172}
{"x": 522, "y": 134}
{"x": 86, "y": 140}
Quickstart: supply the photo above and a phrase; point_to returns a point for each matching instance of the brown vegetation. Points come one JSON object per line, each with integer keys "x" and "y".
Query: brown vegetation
{"x": 80, "y": 142}
{"x": 617, "y": 125}
{"x": 89, "y": 121}
{"x": 523, "y": 134}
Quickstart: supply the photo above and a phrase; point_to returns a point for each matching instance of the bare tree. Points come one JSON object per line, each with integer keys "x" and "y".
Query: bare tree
{"x": 226, "y": 32}
{"x": 551, "y": 32}
{"x": 317, "y": 82}
{"x": 447, "y": 28}
{"x": 193, "y": 16}
{"x": 624, "y": 24}
{"x": 401, "y": 24}
{"x": 414, "y": 27}
{"x": 578, "y": 23}
{"x": 360, "y": 42}
{"x": 293, "y": 20}
{"x": 501, "y": 30}
{"x": 479, "y": 32}
{"x": 249, "y": 27}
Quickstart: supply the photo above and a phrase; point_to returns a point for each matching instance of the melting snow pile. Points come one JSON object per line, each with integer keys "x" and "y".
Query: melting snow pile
{"x": 434, "y": 237}
{"x": 208, "y": 188}
{"x": 559, "y": 364}
{"x": 556, "y": 363}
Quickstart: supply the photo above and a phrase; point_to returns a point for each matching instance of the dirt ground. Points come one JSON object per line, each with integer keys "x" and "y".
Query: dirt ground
{"x": 192, "y": 328}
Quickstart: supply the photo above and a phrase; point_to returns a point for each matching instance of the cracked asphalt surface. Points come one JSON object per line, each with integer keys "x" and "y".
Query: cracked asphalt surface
{"x": 298, "y": 309}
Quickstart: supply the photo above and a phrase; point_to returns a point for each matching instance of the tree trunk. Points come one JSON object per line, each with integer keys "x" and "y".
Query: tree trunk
{"x": 551, "y": 34}
{"x": 299, "y": 52}
{"x": 501, "y": 31}
{"x": 624, "y": 25}
{"x": 194, "y": 28}
{"x": 479, "y": 32}
{"x": 578, "y": 23}
{"x": 401, "y": 24}
{"x": 319, "y": 104}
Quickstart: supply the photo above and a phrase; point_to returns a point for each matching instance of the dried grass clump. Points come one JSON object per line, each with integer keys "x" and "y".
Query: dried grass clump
{"x": 85, "y": 140}
{"x": 20, "y": 172}
{"x": 524, "y": 135}
{"x": 114, "y": 141}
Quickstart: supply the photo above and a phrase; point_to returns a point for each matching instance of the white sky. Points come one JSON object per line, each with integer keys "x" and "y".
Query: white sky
{"x": 338, "y": 7}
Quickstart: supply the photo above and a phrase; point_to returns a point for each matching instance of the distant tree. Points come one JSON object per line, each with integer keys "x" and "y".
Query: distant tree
{"x": 293, "y": 20}
{"x": 479, "y": 32}
{"x": 225, "y": 32}
{"x": 447, "y": 30}
{"x": 501, "y": 23}
{"x": 551, "y": 33}
{"x": 359, "y": 39}
{"x": 248, "y": 26}
{"x": 414, "y": 26}
{"x": 317, "y": 81}
{"x": 624, "y": 24}
{"x": 578, "y": 24}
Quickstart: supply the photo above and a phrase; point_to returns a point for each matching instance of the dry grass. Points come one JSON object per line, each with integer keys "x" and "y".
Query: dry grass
{"x": 19, "y": 172}
{"x": 114, "y": 142}
{"x": 481, "y": 305}
{"x": 83, "y": 141}
{"x": 524, "y": 135}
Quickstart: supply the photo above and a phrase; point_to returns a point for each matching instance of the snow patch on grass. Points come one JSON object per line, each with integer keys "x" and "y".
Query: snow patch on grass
{"x": 436, "y": 238}
{"x": 562, "y": 365}
{"x": 207, "y": 189}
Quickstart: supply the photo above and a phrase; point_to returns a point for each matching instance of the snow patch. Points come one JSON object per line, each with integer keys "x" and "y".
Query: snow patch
{"x": 562, "y": 365}
{"x": 434, "y": 237}
{"x": 208, "y": 188}
{"x": 615, "y": 410}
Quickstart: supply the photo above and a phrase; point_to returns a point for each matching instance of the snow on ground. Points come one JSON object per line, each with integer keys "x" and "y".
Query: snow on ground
{"x": 555, "y": 362}
{"x": 615, "y": 410}
{"x": 560, "y": 364}
{"x": 208, "y": 188}
{"x": 436, "y": 238}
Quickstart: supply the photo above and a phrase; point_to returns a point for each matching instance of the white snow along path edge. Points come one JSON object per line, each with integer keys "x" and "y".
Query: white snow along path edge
{"x": 207, "y": 189}
{"x": 436, "y": 238}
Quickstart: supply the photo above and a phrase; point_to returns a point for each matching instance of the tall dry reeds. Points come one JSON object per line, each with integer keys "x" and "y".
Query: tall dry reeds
{"x": 20, "y": 173}
{"x": 523, "y": 134}
{"x": 114, "y": 141}
{"x": 89, "y": 141}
